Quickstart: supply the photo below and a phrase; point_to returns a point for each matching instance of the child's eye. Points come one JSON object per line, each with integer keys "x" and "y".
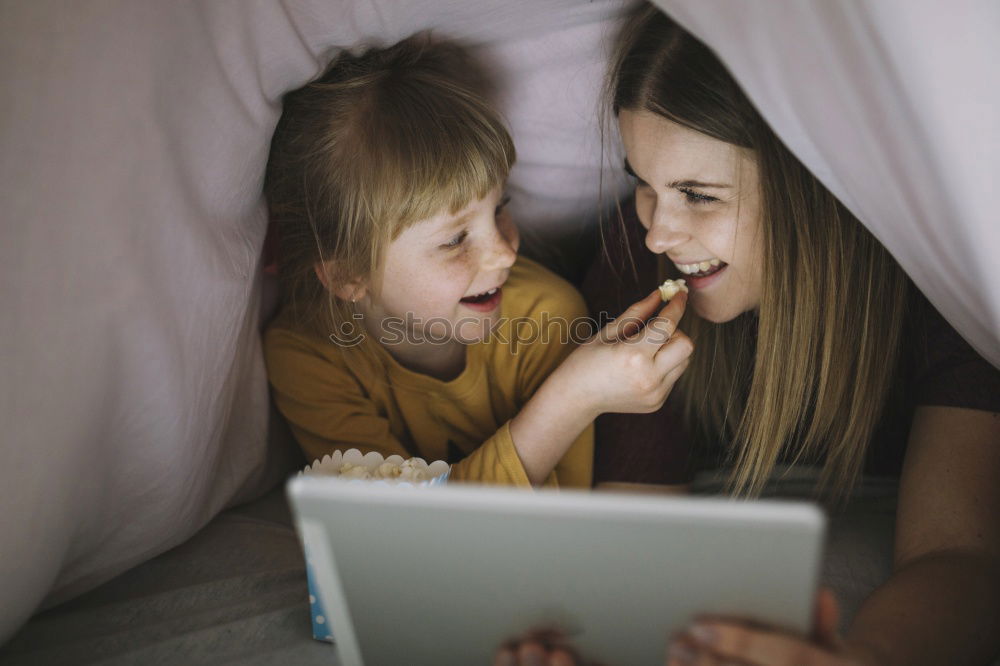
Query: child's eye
{"x": 696, "y": 197}
{"x": 457, "y": 240}
{"x": 503, "y": 202}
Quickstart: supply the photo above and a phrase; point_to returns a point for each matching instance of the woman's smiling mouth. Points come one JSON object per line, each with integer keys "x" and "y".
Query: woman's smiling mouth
{"x": 701, "y": 274}
{"x": 701, "y": 268}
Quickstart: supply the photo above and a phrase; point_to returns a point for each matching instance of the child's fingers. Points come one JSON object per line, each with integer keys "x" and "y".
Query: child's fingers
{"x": 672, "y": 376}
{"x": 663, "y": 328}
{"x": 674, "y": 352}
{"x": 674, "y": 309}
{"x": 633, "y": 319}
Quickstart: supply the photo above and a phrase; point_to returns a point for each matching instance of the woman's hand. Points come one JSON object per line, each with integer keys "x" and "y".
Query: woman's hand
{"x": 534, "y": 654}
{"x": 715, "y": 642}
{"x": 631, "y": 365}
{"x": 540, "y": 648}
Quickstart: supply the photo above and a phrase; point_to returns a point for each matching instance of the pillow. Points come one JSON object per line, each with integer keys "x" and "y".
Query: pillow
{"x": 134, "y": 139}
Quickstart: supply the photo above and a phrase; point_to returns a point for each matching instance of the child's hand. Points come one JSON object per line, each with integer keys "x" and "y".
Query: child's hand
{"x": 629, "y": 366}
{"x": 632, "y": 363}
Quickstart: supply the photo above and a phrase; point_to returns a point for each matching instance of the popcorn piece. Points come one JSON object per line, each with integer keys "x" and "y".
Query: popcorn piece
{"x": 413, "y": 471}
{"x": 352, "y": 465}
{"x": 388, "y": 470}
{"x": 670, "y": 288}
{"x": 349, "y": 471}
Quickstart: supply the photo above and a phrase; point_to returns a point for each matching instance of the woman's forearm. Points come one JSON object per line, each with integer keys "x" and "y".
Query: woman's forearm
{"x": 940, "y": 608}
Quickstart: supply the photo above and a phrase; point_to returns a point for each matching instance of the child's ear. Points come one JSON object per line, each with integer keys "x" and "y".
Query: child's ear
{"x": 351, "y": 290}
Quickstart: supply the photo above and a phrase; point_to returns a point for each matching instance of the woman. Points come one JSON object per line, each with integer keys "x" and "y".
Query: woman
{"x": 811, "y": 348}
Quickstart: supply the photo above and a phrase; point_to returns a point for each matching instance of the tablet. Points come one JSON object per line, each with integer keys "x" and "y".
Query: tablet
{"x": 445, "y": 575}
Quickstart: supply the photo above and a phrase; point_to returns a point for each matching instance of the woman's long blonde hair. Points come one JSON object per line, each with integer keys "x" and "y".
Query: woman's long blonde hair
{"x": 819, "y": 355}
{"x": 381, "y": 140}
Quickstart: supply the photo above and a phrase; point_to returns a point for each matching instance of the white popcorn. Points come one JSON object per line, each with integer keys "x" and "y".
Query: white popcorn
{"x": 670, "y": 288}
{"x": 354, "y": 465}
{"x": 413, "y": 470}
{"x": 388, "y": 470}
{"x": 350, "y": 471}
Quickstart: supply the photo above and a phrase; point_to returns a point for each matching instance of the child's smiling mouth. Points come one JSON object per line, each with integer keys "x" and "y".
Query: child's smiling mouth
{"x": 484, "y": 302}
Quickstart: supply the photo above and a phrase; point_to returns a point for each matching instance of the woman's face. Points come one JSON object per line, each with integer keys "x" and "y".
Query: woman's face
{"x": 699, "y": 200}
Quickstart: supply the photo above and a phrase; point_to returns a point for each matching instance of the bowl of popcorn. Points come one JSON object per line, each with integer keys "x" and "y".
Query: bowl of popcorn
{"x": 373, "y": 467}
{"x": 357, "y": 467}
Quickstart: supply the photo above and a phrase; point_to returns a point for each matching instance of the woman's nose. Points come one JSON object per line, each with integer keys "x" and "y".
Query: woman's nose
{"x": 662, "y": 236}
{"x": 664, "y": 227}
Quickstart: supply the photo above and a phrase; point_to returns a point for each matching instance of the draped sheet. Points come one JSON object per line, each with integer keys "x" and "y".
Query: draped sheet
{"x": 133, "y": 137}
{"x": 895, "y": 106}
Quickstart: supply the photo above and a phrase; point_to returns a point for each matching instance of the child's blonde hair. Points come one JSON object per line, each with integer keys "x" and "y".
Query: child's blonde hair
{"x": 381, "y": 140}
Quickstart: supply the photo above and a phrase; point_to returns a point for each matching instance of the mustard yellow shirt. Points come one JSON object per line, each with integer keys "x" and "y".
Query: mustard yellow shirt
{"x": 338, "y": 398}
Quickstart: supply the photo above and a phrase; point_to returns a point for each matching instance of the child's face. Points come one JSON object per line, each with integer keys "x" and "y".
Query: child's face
{"x": 699, "y": 201}
{"x": 440, "y": 274}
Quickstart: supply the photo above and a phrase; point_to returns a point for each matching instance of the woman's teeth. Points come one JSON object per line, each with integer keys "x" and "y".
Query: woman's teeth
{"x": 702, "y": 268}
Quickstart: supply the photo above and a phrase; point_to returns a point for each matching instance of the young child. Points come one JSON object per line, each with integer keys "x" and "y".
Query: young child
{"x": 404, "y": 330}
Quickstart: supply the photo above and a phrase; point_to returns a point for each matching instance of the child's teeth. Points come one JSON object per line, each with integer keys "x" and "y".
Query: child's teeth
{"x": 485, "y": 294}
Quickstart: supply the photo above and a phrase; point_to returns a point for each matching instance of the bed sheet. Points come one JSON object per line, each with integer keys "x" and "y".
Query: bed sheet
{"x": 236, "y": 593}
{"x": 233, "y": 594}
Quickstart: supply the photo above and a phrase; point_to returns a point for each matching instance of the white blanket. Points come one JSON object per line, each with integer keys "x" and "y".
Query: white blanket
{"x": 133, "y": 137}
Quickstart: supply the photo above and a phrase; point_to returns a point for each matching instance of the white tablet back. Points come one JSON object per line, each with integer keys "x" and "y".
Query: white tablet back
{"x": 445, "y": 575}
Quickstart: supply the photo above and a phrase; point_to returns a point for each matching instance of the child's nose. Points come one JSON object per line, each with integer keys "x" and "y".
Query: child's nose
{"x": 502, "y": 252}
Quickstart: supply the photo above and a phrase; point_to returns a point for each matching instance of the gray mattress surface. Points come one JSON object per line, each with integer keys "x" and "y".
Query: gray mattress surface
{"x": 236, "y": 592}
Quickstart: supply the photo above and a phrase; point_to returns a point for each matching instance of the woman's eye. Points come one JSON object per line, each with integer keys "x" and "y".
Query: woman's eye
{"x": 503, "y": 203}
{"x": 639, "y": 182}
{"x": 696, "y": 197}
{"x": 457, "y": 240}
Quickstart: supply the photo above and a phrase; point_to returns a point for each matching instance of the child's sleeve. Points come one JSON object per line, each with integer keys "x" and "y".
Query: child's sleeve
{"x": 495, "y": 462}
{"x": 576, "y": 469}
{"x": 325, "y": 405}
{"x": 327, "y": 409}
{"x": 557, "y": 307}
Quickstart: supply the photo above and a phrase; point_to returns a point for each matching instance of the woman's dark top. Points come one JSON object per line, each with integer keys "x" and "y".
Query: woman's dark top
{"x": 937, "y": 367}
